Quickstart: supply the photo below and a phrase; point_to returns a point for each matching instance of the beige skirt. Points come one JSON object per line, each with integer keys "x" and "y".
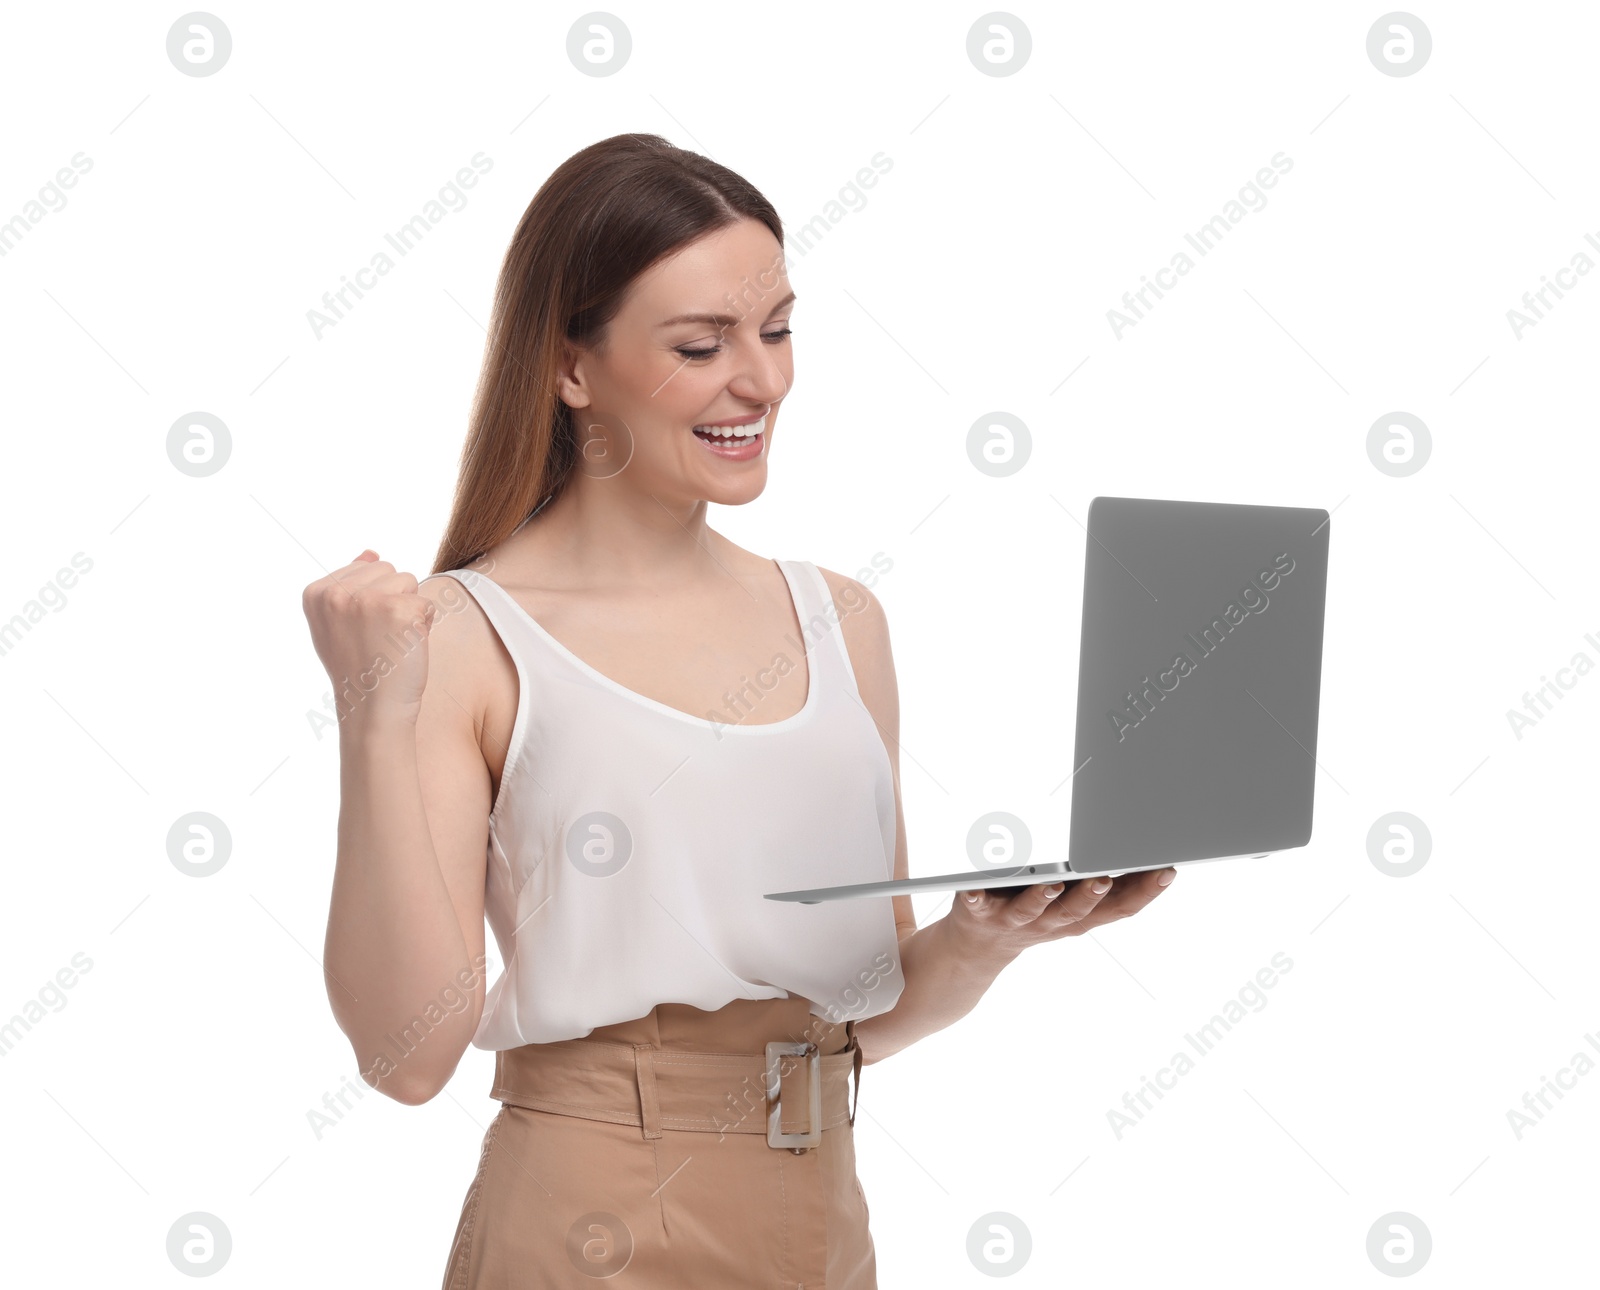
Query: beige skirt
{"x": 640, "y": 1157}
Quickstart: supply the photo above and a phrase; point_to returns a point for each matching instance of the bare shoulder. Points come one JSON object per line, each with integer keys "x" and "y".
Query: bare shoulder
{"x": 457, "y": 616}
{"x": 865, "y": 629}
{"x": 855, "y": 600}
{"x": 464, "y": 650}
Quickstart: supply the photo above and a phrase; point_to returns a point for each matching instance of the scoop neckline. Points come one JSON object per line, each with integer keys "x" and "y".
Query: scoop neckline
{"x": 645, "y": 700}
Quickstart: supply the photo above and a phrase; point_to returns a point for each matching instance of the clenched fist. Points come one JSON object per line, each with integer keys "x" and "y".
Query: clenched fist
{"x": 370, "y": 628}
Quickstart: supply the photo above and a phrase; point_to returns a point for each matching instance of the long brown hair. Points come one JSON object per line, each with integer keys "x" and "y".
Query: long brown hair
{"x": 602, "y": 218}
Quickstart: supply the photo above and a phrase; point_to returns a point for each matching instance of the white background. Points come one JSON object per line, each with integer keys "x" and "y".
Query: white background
{"x": 178, "y": 674}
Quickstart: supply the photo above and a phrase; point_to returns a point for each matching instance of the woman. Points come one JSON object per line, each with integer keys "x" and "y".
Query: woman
{"x": 610, "y": 730}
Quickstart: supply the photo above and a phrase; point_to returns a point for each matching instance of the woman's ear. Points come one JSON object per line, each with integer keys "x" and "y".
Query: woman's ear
{"x": 570, "y": 384}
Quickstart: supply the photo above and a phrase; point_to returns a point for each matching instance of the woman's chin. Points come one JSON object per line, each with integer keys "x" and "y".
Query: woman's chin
{"x": 737, "y": 492}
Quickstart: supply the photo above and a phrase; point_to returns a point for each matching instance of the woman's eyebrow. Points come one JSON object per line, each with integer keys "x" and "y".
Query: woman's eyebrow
{"x": 723, "y": 320}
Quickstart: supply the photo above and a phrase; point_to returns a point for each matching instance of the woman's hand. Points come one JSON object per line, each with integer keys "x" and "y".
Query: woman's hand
{"x": 949, "y": 963}
{"x": 1007, "y": 925}
{"x": 369, "y": 623}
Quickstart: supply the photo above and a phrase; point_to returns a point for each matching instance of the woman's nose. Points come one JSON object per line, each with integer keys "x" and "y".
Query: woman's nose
{"x": 761, "y": 378}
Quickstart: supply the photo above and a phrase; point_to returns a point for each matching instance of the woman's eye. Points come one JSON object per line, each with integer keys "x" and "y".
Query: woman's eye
{"x": 771, "y": 337}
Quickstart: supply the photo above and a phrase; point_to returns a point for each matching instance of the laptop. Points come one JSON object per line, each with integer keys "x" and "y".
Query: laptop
{"x": 1199, "y": 677}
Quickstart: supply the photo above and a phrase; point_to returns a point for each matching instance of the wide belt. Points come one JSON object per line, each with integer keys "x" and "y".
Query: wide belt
{"x": 792, "y": 1092}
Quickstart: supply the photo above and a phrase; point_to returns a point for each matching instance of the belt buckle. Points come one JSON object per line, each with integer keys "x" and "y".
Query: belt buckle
{"x": 796, "y": 1142}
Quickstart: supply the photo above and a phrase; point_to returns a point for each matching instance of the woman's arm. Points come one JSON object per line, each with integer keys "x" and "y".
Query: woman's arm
{"x": 950, "y": 963}
{"x": 943, "y": 982}
{"x": 403, "y": 957}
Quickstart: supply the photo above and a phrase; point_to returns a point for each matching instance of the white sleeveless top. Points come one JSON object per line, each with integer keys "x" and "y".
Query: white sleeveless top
{"x": 630, "y": 844}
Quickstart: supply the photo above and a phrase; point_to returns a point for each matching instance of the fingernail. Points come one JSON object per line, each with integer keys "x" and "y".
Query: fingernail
{"x": 1102, "y": 885}
{"x": 1055, "y": 889}
{"x": 1167, "y": 877}
{"x": 973, "y": 897}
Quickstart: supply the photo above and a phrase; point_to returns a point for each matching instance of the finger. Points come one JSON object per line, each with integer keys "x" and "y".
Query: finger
{"x": 1030, "y": 899}
{"x": 361, "y": 571}
{"x": 985, "y": 900}
{"x": 374, "y": 578}
{"x": 1133, "y": 891}
{"x": 367, "y": 558}
{"x": 1034, "y": 899}
{"x": 1070, "y": 905}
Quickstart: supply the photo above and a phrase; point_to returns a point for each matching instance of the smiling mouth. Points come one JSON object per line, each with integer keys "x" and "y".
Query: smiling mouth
{"x": 731, "y": 436}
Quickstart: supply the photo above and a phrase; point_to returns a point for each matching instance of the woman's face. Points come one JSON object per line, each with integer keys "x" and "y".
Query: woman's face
{"x": 702, "y": 339}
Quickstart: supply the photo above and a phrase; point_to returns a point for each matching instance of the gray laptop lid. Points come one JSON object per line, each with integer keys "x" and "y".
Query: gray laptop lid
{"x": 1198, "y": 681}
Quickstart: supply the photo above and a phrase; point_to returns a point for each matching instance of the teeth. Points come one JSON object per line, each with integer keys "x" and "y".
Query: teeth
{"x": 735, "y": 432}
